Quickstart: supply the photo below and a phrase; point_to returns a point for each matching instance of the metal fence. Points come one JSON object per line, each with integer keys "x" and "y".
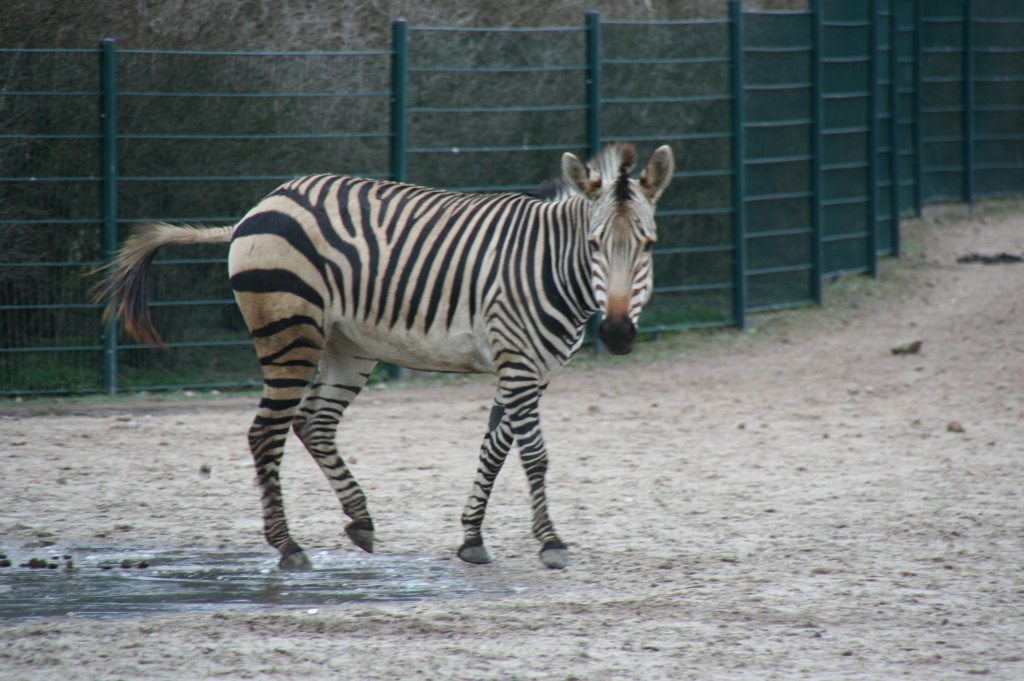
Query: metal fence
{"x": 802, "y": 136}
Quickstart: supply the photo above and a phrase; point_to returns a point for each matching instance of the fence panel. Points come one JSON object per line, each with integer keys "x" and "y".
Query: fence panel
{"x": 51, "y": 221}
{"x": 493, "y": 109}
{"x": 202, "y": 137}
{"x": 778, "y": 87}
{"x": 668, "y": 83}
{"x": 998, "y": 97}
{"x": 800, "y": 138}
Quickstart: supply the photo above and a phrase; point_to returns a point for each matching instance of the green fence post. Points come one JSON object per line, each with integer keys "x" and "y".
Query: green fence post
{"x": 399, "y": 98}
{"x": 593, "y": 93}
{"x": 918, "y": 109}
{"x": 399, "y": 120}
{"x": 968, "y": 102}
{"x": 817, "y": 149}
{"x": 108, "y": 192}
{"x": 593, "y": 28}
{"x": 894, "y": 131}
{"x": 872, "y": 150}
{"x": 739, "y": 180}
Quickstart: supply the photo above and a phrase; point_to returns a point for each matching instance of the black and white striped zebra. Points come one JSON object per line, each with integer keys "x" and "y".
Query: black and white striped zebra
{"x": 334, "y": 274}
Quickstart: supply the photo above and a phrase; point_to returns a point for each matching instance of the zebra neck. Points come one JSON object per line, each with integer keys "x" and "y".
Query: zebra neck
{"x": 573, "y": 254}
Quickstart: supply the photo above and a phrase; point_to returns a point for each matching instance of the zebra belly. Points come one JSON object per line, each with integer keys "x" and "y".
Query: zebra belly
{"x": 456, "y": 350}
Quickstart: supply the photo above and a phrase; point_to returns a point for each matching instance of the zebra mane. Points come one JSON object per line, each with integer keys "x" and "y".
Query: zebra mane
{"x": 614, "y": 161}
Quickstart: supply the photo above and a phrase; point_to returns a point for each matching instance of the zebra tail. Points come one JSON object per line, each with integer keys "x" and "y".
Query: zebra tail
{"x": 122, "y": 284}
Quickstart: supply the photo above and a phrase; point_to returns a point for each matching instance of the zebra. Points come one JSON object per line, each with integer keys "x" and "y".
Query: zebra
{"x": 334, "y": 274}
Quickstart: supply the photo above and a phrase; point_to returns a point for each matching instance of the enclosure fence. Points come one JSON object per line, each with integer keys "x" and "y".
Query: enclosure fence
{"x": 801, "y": 138}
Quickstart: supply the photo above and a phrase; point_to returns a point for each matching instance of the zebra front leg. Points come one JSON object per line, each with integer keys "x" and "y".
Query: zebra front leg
{"x": 522, "y": 399}
{"x": 341, "y": 380}
{"x": 493, "y": 452}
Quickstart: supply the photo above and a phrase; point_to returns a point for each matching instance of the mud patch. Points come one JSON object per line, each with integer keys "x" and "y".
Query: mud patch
{"x": 109, "y": 582}
{"x": 997, "y": 259}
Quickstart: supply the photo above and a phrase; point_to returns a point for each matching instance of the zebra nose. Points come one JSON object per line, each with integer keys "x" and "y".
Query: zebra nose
{"x": 617, "y": 334}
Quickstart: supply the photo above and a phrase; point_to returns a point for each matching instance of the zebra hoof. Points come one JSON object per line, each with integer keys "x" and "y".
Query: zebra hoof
{"x": 555, "y": 556}
{"x": 295, "y": 562}
{"x": 475, "y": 553}
{"x": 361, "y": 534}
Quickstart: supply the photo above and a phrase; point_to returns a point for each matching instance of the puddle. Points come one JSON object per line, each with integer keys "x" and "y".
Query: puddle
{"x": 179, "y": 580}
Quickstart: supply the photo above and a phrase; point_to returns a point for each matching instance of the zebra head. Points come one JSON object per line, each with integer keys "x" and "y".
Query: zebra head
{"x": 620, "y": 233}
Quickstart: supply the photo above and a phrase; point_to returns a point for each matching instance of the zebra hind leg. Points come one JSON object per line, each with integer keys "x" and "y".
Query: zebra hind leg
{"x": 341, "y": 379}
{"x": 281, "y": 398}
{"x": 493, "y": 453}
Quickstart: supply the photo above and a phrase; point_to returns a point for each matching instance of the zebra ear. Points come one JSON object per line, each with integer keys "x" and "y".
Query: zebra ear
{"x": 581, "y": 178}
{"x": 658, "y": 174}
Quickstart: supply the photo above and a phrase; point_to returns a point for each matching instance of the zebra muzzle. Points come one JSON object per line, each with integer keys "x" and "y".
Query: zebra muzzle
{"x": 617, "y": 334}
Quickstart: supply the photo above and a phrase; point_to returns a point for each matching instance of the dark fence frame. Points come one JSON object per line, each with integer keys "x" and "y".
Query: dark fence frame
{"x": 907, "y": 142}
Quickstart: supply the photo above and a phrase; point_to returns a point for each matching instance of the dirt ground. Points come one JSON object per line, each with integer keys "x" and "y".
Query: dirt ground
{"x": 793, "y": 502}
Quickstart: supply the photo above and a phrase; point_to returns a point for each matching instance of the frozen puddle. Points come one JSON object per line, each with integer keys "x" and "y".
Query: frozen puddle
{"x": 179, "y": 580}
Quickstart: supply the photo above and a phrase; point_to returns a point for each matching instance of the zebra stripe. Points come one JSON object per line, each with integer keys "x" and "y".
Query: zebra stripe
{"x": 333, "y": 274}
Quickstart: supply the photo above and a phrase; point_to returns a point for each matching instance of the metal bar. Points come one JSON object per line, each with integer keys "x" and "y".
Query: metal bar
{"x": 918, "y": 114}
{"x": 682, "y": 99}
{"x": 681, "y": 136}
{"x": 592, "y": 24}
{"x": 894, "y": 132}
{"x": 786, "y": 123}
{"x": 487, "y": 29}
{"x": 690, "y": 288}
{"x": 739, "y": 184}
{"x": 872, "y": 141}
{"x": 666, "y": 22}
{"x": 252, "y": 95}
{"x": 776, "y": 233}
{"x": 771, "y": 160}
{"x": 108, "y": 196}
{"x": 593, "y": 83}
{"x": 259, "y": 138}
{"x": 399, "y": 118}
{"x": 511, "y": 148}
{"x": 399, "y": 98}
{"x": 497, "y": 69}
{"x": 848, "y": 236}
{"x": 779, "y": 269}
{"x": 690, "y": 212}
{"x": 844, "y": 201}
{"x": 672, "y": 61}
{"x": 49, "y": 136}
{"x": 817, "y": 150}
{"x": 254, "y": 53}
{"x": 497, "y": 109}
{"x": 691, "y": 250}
{"x": 967, "y": 91}
{"x": 778, "y": 196}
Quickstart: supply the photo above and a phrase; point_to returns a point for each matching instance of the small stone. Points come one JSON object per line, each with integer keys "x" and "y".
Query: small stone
{"x": 954, "y": 427}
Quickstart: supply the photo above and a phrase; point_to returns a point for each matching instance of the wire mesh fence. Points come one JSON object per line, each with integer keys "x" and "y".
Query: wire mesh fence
{"x": 802, "y": 136}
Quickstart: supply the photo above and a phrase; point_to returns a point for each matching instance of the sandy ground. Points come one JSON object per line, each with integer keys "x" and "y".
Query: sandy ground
{"x": 790, "y": 502}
